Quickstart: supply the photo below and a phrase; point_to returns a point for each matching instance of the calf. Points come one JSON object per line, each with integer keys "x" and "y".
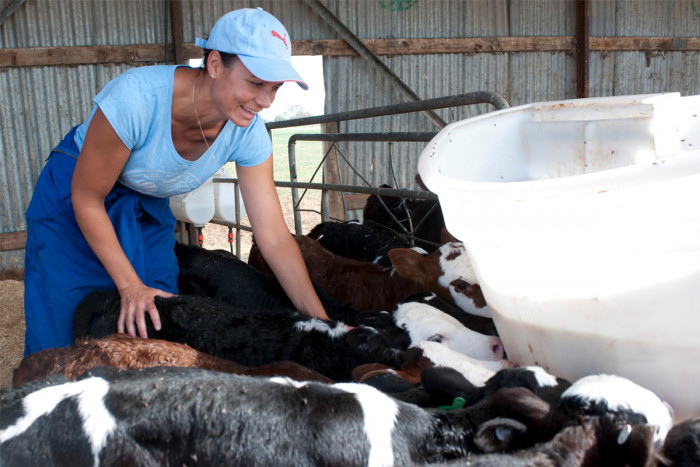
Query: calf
{"x": 424, "y": 322}
{"x": 598, "y": 419}
{"x": 367, "y": 286}
{"x": 593, "y": 442}
{"x": 480, "y": 324}
{"x": 444, "y": 373}
{"x": 477, "y": 372}
{"x": 220, "y": 274}
{"x": 126, "y": 352}
{"x": 251, "y": 337}
{"x": 445, "y": 383}
{"x": 367, "y": 241}
{"x": 176, "y": 416}
{"x": 598, "y": 394}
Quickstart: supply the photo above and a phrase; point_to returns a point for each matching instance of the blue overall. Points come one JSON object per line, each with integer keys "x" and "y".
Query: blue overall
{"x": 60, "y": 267}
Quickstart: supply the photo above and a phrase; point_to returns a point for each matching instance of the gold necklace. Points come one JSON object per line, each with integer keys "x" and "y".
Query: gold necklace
{"x": 194, "y": 85}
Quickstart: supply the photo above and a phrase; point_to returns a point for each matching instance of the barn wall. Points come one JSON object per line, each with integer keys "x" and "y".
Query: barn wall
{"x": 40, "y": 104}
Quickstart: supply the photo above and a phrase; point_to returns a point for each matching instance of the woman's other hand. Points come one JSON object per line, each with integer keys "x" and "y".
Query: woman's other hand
{"x": 137, "y": 300}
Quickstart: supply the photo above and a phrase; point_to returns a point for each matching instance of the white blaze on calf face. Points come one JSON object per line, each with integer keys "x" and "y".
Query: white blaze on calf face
{"x": 380, "y": 413}
{"x": 89, "y": 393}
{"x": 475, "y": 371}
{"x": 620, "y": 394}
{"x": 424, "y": 322}
{"x": 458, "y": 276}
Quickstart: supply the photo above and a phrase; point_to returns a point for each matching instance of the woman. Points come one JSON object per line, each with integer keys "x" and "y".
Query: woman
{"x": 99, "y": 217}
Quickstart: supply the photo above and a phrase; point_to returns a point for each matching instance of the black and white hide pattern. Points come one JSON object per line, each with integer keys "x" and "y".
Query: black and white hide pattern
{"x": 251, "y": 337}
{"x": 220, "y": 274}
{"x": 600, "y": 394}
{"x": 600, "y": 420}
{"x": 445, "y": 383}
{"x": 185, "y": 416}
{"x": 363, "y": 241}
{"x": 469, "y": 380}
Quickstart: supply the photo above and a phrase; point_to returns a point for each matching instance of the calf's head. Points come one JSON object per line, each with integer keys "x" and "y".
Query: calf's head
{"x": 447, "y": 272}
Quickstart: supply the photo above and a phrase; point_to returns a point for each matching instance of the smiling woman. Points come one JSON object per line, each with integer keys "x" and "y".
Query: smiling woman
{"x": 155, "y": 132}
{"x": 291, "y": 100}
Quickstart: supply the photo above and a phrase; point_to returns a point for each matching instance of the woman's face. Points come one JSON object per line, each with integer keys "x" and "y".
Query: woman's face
{"x": 239, "y": 95}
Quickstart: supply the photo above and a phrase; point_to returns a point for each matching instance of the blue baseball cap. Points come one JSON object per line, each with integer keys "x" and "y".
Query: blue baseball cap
{"x": 259, "y": 40}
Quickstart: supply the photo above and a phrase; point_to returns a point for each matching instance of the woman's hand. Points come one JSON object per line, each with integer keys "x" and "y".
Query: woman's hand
{"x": 276, "y": 243}
{"x": 137, "y": 300}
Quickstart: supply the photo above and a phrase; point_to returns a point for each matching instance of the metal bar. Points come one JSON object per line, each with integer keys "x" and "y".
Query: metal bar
{"x": 9, "y": 8}
{"x": 479, "y": 97}
{"x": 388, "y": 136}
{"x": 291, "y": 147}
{"x": 237, "y": 201}
{"x": 371, "y": 58}
{"x": 295, "y": 191}
{"x": 325, "y": 208}
{"x": 401, "y": 192}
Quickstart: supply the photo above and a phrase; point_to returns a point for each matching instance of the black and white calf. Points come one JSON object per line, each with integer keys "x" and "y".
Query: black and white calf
{"x": 168, "y": 416}
{"x": 251, "y": 337}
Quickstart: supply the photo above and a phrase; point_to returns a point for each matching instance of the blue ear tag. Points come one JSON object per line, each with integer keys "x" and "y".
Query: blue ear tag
{"x": 457, "y": 403}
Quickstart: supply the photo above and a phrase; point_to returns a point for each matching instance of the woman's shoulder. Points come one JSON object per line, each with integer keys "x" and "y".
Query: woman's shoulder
{"x": 154, "y": 74}
{"x": 148, "y": 81}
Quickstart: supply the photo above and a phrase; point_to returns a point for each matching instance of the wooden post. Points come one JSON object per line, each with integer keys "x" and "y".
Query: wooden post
{"x": 176, "y": 27}
{"x": 331, "y": 174}
{"x": 582, "y": 47}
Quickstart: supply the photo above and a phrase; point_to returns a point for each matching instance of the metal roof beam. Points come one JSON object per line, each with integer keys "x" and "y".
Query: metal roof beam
{"x": 9, "y": 9}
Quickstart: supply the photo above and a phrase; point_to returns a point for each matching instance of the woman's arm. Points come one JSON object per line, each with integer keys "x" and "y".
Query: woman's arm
{"x": 272, "y": 236}
{"x": 101, "y": 160}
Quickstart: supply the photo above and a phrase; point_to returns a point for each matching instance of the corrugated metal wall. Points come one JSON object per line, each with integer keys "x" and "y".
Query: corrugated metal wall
{"x": 40, "y": 104}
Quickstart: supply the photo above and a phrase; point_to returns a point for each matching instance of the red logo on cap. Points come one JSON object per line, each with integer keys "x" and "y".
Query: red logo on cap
{"x": 283, "y": 39}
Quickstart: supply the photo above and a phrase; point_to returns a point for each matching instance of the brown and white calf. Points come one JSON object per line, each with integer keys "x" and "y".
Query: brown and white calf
{"x": 446, "y": 272}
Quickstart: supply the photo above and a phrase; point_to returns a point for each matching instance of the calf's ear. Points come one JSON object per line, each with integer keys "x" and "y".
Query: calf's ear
{"x": 500, "y": 435}
{"x": 408, "y": 263}
{"x": 446, "y": 236}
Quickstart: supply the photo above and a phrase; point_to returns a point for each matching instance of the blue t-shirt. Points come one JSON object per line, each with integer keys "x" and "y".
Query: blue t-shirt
{"x": 138, "y": 104}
